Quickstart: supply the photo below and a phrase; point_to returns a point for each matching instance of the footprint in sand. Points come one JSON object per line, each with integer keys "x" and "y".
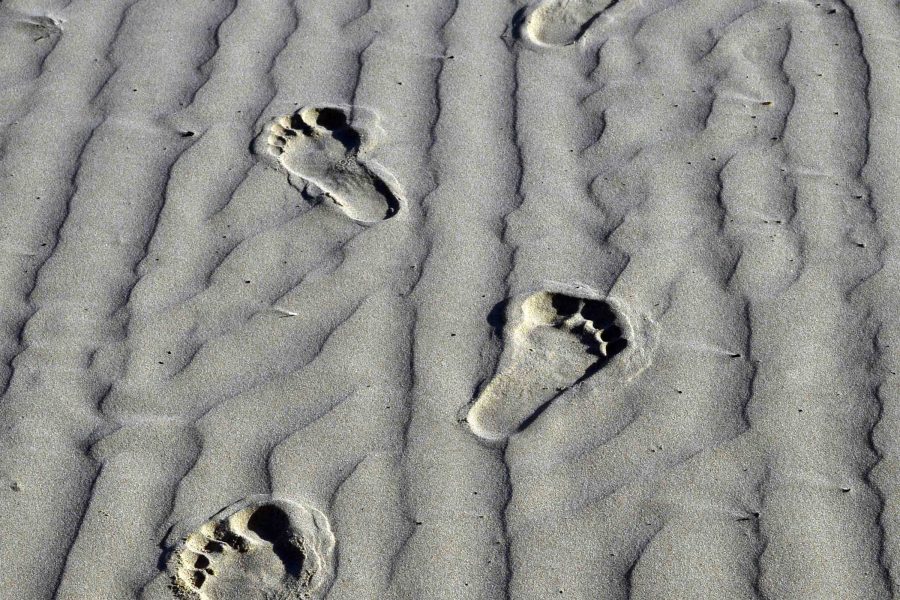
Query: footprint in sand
{"x": 320, "y": 146}
{"x": 559, "y": 341}
{"x": 263, "y": 550}
{"x": 40, "y": 27}
{"x": 561, "y": 22}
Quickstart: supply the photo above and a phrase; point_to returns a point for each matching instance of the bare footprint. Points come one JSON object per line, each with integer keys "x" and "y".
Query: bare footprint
{"x": 562, "y": 22}
{"x": 41, "y": 27}
{"x": 320, "y": 145}
{"x": 560, "y": 340}
{"x": 18, "y": 26}
{"x": 269, "y": 550}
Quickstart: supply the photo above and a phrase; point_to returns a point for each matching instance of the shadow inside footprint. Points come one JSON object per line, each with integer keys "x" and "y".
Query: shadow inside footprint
{"x": 332, "y": 118}
{"x": 272, "y": 524}
{"x": 559, "y": 341}
{"x": 320, "y": 145}
{"x": 269, "y": 523}
{"x": 335, "y": 121}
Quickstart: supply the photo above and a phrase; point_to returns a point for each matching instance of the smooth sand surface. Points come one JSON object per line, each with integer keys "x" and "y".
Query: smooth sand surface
{"x": 449, "y": 299}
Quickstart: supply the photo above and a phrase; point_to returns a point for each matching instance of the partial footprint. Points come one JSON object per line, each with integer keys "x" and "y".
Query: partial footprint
{"x": 41, "y": 27}
{"x": 320, "y": 145}
{"x": 262, "y": 550}
{"x": 561, "y": 22}
{"x": 30, "y": 26}
{"x": 559, "y": 341}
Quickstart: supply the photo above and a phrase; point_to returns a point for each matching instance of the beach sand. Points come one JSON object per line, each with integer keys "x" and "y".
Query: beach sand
{"x": 449, "y": 299}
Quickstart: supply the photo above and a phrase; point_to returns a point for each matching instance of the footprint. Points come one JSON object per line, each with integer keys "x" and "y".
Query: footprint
{"x": 34, "y": 26}
{"x": 320, "y": 145}
{"x": 561, "y": 22}
{"x": 559, "y": 341}
{"x": 262, "y": 550}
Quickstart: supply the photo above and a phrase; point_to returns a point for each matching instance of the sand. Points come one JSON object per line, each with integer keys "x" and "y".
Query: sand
{"x": 449, "y": 299}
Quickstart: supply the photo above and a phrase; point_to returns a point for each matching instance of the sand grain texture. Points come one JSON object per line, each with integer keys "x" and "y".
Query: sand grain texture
{"x": 356, "y": 299}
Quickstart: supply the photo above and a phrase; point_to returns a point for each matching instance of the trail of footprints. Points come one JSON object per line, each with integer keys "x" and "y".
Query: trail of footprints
{"x": 320, "y": 146}
{"x": 558, "y": 341}
{"x": 272, "y": 550}
{"x": 280, "y": 550}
